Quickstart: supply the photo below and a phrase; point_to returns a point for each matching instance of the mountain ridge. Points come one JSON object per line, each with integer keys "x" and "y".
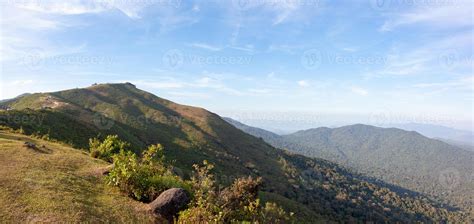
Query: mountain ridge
{"x": 318, "y": 189}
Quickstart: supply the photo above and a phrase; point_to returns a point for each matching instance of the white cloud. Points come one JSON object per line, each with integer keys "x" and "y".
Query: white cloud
{"x": 247, "y": 48}
{"x": 75, "y": 7}
{"x": 206, "y": 46}
{"x": 350, "y": 49}
{"x": 359, "y": 91}
{"x": 21, "y": 83}
{"x": 196, "y": 8}
{"x": 454, "y": 14}
{"x": 303, "y": 83}
{"x": 448, "y": 55}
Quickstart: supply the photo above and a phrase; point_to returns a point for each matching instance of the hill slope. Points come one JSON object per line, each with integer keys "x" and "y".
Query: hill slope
{"x": 314, "y": 189}
{"x": 57, "y": 184}
{"x": 403, "y": 158}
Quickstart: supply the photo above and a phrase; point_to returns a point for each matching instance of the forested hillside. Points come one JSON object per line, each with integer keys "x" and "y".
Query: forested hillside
{"x": 399, "y": 157}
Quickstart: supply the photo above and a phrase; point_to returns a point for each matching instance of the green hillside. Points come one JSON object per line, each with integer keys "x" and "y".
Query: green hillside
{"x": 312, "y": 188}
{"x": 399, "y": 157}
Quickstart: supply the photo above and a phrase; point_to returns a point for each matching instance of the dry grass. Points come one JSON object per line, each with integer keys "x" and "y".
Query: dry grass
{"x": 56, "y": 183}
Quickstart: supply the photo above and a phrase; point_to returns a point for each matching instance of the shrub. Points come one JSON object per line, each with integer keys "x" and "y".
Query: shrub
{"x": 272, "y": 213}
{"x": 106, "y": 149}
{"x": 237, "y": 203}
{"x": 235, "y": 199}
{"x": 159, "y": 184}
{"x": 143, "y": 179}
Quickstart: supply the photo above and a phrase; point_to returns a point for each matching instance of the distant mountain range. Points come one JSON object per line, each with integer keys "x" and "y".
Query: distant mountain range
{"x": 316, "y": 190}
{"x": 404, "y": 158}
{"x": 451, "y": 135}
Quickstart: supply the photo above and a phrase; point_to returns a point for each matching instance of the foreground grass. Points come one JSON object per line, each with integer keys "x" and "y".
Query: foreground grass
{"x": 58, "y": 184}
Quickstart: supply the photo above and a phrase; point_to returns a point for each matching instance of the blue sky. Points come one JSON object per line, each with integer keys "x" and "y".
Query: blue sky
{"x": 347, "y": 61}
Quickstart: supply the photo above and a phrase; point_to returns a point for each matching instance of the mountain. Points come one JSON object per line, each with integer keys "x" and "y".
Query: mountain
{"x": 439, "y": 132}
{"x": 315, "y": 189}
{"x": 403, "y": 158}
{"x": 261, "y": 133}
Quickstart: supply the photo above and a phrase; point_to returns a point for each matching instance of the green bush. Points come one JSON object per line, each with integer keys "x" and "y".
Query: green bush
{"x": 143, "y": 179}
{"x": 107, "y": 148}
{"x": 165, "y": 182}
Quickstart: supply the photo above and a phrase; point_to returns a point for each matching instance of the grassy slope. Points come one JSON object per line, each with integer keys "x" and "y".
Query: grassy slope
{"x": 58, "y": 184}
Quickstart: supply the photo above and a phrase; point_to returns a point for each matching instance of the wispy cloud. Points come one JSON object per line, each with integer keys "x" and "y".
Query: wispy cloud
{"x": 303, "y": 83}
{"x": 453, "y": 14}
{"x": 206, "y": 46}
{"x": 21, "y": 83}
{"x": 359, "y": 91}
{"x": 247, "y": 48}
{"x": 442, "y": 55}
{"x": 75, "y": 7}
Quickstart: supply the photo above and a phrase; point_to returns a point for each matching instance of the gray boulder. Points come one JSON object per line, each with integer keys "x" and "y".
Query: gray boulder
{"x": 170, "y": 203}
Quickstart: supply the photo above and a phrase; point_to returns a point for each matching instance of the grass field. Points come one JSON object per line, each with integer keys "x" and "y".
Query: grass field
{"x": 56, "y": 183}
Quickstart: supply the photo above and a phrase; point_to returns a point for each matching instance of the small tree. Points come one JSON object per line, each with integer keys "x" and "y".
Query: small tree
{"x": 234, "y": 204}
{"x": 203, "y": 208}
